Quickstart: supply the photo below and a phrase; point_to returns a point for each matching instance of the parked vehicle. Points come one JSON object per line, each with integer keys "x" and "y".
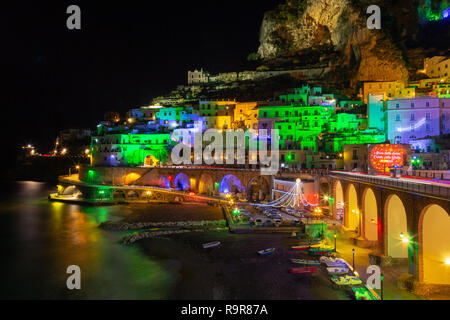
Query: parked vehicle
{"x": 266, "y": 251}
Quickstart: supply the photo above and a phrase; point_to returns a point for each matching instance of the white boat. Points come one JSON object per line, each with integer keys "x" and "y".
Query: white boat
{"x": 333, "y": 262}
{"x": 338, "y": 270}
{"x": 266, "y": 251}
{"x": 211, "y": 244}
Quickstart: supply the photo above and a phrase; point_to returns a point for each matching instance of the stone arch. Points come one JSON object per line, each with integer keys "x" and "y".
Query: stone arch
{"x": 118, "y": 195}
{"x": 396, "y": 229}
{"x": 325, "y": 193}
{"x": 182, "y": 182}
{"x": 163, "y": 182}
{"x": 132, "y": 195}
{"x": 206, "y": 184}
{"x": 434, "y": 245}
{"x": 230, "y": 184}
{"x": 258, "y": 189}
{"x": 73, "y": 191}
{"x": 370, "y": 215}
{"x": 339, "y": 200}
{"x": 351, "y": 210}
{"x": 131, "y": 177}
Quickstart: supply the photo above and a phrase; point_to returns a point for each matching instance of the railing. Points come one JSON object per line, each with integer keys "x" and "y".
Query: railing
{"x": 431, "y": 188}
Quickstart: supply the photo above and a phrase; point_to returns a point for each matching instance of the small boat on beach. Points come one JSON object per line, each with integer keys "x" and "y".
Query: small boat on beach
{"x": 266, "y": 251}
{"x": 303, "y": 270}
{"x": 211, "y": 244}
{"x": 306, "y": 247}
{"x": 346, "y": 280}
{"x": 338, "y": 270}
{"x": 323, "y": 250}
{"x": 306, "y": 262}
{"x": 333, "y": 262}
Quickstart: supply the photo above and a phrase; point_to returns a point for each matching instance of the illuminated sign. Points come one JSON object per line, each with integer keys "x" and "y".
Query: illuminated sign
{"x": 385, "y": 156}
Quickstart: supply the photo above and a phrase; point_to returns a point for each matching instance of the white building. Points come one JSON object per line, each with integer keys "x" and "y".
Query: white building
{"x": 437, "y": 66}
{"x": 196, "y": 76}
{"x": 415, "y": 118}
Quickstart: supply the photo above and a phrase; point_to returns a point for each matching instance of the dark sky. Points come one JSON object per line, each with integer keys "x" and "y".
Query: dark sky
{"x": 126, "y": 53}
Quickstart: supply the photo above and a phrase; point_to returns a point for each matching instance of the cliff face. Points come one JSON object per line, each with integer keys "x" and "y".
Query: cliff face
{"x": 339, "y": 26}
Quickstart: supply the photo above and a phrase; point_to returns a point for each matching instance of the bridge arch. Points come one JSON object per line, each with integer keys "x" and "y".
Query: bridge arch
{"x": 163, "y": 182}
{"x": 73, "y": 191}
{"x": 396, "y": 229}
{"x": 206, "y": 184}
{"x": 339, "y": 200}
{"x": 324, "y": 192}
{"x": 131, "y": 177}
{"x": 434, "y": 245}
{"x": 182, "y": 182}
{"x": 118, "y": 195}
{"x": 132, "y": 195}
{"x": 370, "y": 214}
{"x": 258, "y": 188}
{"x": 230, "y": 183}
{"x": 352, "y": 211}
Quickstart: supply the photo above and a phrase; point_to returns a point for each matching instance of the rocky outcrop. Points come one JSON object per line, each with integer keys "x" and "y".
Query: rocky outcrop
{"x": 123, "y": 226}
{"x": 299, "y": 26}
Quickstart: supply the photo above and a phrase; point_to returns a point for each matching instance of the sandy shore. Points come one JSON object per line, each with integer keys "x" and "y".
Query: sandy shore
{"x": 234, "y": 270}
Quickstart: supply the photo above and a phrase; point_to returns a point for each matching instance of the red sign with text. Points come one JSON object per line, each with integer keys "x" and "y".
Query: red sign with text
{"x": 385, "y": 156}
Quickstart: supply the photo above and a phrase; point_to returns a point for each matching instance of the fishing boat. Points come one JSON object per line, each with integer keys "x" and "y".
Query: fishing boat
{"x": 365, "y": 293}
{"x": 338, "y": 270}
{"x": 345, "y": 280}
{"x": 303, "y": 270}
{"x": 323, "y": 250}
{"x": 211, "y": 244}
{"x": 306, "y": 262}
{"x": 333, "y": 262}
{"x": 266, "y": 251}
{"x": 306, "y": 247}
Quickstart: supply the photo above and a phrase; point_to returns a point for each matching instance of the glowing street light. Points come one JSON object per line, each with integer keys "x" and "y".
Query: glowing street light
{"x": 447, "y": 261}
{"x": 326, "y": 197}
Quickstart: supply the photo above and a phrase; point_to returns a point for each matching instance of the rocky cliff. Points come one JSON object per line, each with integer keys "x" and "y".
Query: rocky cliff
{"x": 338, "y": 29}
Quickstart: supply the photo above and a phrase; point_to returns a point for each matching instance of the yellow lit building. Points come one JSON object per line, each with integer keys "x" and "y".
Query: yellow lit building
{"x": 218, "y": 114}
{"x": 437, "y": 66}
{"x": 390, "y": 89}
{"x": 246, "y": 115}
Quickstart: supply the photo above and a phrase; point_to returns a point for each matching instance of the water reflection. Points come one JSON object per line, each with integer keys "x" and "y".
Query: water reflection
{"x": 40, "y": 239}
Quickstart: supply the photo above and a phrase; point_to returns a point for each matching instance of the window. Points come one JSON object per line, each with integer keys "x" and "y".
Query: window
{"x": 397, "y": 117}
{"x": 428, "y": 128}
{"x": 413, "y": 117}
{"x": 412, "y": 104}
{"x": 427, "y": 104}
{"x": 428, "y": 116}
{"x": 397, "y": 105}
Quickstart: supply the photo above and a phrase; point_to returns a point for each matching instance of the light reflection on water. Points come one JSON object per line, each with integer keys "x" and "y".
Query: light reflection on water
{"x": 40, "y": 239}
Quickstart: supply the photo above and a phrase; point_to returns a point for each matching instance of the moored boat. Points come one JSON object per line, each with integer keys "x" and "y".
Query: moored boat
{"x": 266, "y": 251}
{"x": 303, "y": 270}
{"x": 337, "y": 270}
{"x": 306, "y": 262}
{"x": 346, "y": 280}
{"x": 211, "y": 244}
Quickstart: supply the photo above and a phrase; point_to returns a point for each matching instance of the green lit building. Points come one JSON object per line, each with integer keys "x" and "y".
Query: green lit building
{"x": 131, "y": 150}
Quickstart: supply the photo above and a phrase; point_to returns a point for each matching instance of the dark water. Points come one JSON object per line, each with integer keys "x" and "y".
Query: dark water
{"x": 40, "y": 239}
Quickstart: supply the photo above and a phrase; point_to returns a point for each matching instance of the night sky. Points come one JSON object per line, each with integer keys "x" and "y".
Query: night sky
{"x": 126, "y": 53}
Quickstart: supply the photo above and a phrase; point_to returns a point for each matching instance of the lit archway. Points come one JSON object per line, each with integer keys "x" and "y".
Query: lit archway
{"x": 396, "y": 228}
{"x": 352, "y": 211}
{"x": 118, "y": 194}
{"x": 164, "y": 182}
{"x": 230, "y": 183}
{"x": 339, "y": 200}
{"x": 206, "y": 185}
{"x": 72, "y": 191}
{"x": 132, "y": 195}
{"x": 182, "y": 182}
{"x": 150, "y": 160}
{"x": 370, "y": 215}
{"x": 131, "y": 177}
{"x": 434, "y": 236}
{"x": 258, "y": 189}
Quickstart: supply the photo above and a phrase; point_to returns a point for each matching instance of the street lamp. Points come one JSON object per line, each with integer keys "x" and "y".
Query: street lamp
{"x": 353, "y": 251}
{"x": 335, "y": 242}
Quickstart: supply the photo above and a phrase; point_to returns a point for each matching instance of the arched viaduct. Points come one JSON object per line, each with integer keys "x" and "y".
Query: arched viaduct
{"x": 402, "y": 220}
